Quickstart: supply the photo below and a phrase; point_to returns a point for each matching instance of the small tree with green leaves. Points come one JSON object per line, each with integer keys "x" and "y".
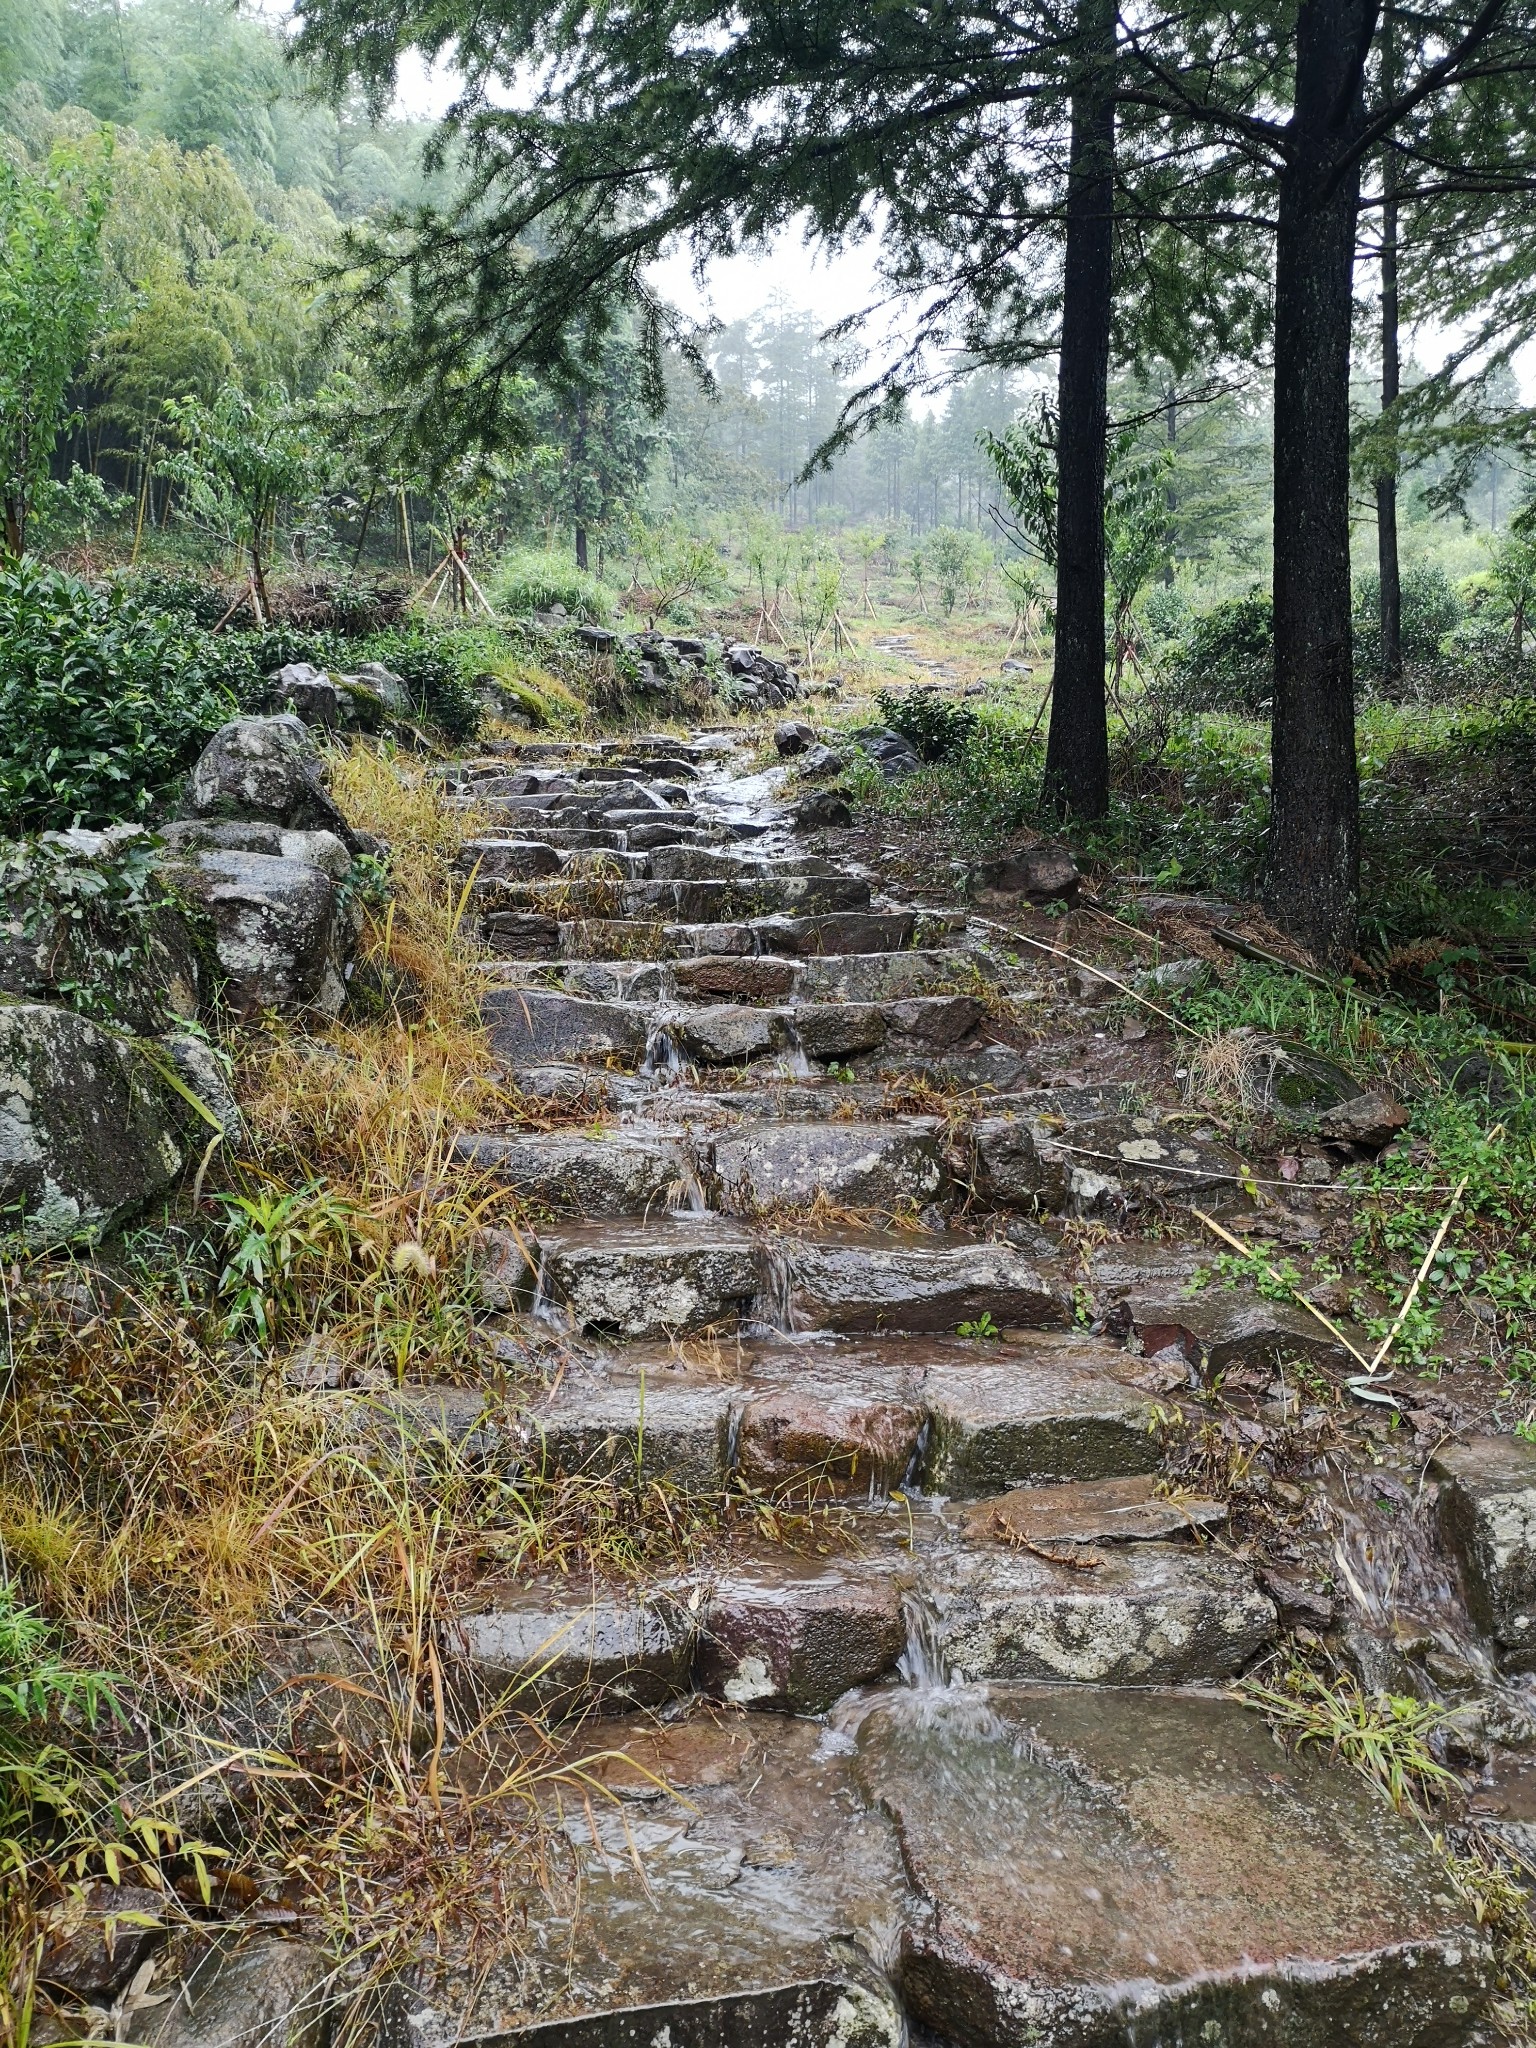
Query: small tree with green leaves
{"x": 1513, "y": 573}
{"x": 50, "y": 298}
{"x": 242, "y": 460}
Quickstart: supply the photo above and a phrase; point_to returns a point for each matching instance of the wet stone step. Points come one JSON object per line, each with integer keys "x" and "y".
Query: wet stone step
{"x": 1134, "y": 1510}
{"x": 887, "y": 977}
{"x": 666, "y": 832}
{"x": 1139, "y": 1614}
{"x": 701, "y": 864}
{"x": 1221, "y": 1327}
{"x": 1143, "y": 1868}
{"x": 848, "y": 1416}
{"x": 786, "y": 1629}
{"x": 734, "y": 1888}
{"x": 868, "y": 931}
{"x": 885, "y": 1166}
{"x": 845, "y": 1280}
{"x": 714, "y": 901}
{"x": 671, "y": 1276}
{"x": 567, "y": 1173}
{"x": 1487, "y": 1516}
{"x": 530, "y": 1025}
{"x": 560, "y": 1650}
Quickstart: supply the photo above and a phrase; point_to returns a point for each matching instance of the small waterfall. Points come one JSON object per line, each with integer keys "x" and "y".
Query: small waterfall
{"x": 792, "y": 1060}
{"x": 923, "y": 1664}
{"x": 686, "y": 1196}
{"x": 733, "y": 1440}
{"x": 663, "y": 1061}
{"x": 543, "y": 1307}
{"x": 773, "y": 1310}
{"x": 912, "y": 1478}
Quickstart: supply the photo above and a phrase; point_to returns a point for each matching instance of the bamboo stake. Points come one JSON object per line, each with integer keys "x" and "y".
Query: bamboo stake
{"x": 1310, "y": 1306}
{"x": 1423, "y": 1273}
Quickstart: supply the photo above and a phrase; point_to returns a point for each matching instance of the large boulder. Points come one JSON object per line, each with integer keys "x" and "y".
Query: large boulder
{"x": 90, "y": 1127}
{"x": 308, "y": 692}
{"x": 284, "y": 927}
{"x": 267, "y": 769}
{"x": 133, "y": 958}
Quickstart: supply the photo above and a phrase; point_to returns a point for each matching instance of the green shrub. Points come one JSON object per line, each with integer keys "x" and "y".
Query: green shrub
{"x": 1431, "y": 609}
{"x": 178, "y": 593}
{"x": 1225, "y": 660}
{"x": 104, "y": 702}
{"x": 1166, "y": 611}
{"x": 536, "y": 579}
{"x": 938, "y": 728}
{"x": 438, "y": 669}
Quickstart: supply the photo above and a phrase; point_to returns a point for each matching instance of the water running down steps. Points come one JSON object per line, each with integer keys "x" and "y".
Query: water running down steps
{"x": 949, "y": 1773}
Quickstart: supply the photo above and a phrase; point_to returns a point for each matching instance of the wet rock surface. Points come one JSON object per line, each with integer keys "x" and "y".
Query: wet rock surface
{"x": 1127, "y": 1868}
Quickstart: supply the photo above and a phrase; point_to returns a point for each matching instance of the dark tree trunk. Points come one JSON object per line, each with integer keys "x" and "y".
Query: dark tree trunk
{"x": 1077, "y": 749}
{"x": 1171, "y": 416}
{"x": 1391, "y": 607}
{"x": 581, "y": 548}
{"x": 1314, "y": 849}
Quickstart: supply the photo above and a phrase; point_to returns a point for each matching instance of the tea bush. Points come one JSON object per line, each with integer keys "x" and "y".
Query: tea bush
{"x": 104, "y": 701}
{"x": 938, "y": 729}
{"x": 1224, "y": 660}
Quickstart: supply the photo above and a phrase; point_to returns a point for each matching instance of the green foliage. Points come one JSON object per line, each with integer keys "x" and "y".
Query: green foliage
{"x": 1384, "y": 1736}
{"x": 938, "y": 728}
{"x": 241, "y": 461}
{"x": 959, "y": 560}
{"x": 1225, "y": 661}
{"x": 438, "y": 669}
{"x": 178, "y": 593}
{"x": 103, "y": 703}
{"x": 50, "y": 288}
{"x": 536, "y": 579}
{"x": 95, "y": 914}
{"x": 1512, "y": 573}
{"x": 33, "y": 1683}
{"x": 1431, "y": 609}
{"x": 280, "y": 1244}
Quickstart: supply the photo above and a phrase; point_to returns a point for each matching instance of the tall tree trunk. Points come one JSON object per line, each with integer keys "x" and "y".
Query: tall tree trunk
{"x": 1389, "y": 577}
{"x": 1314, "y": 848}
{"x": 581, "y": 549}
{"x": 1077, "y": 749}
{"x": 1171, "y": 417}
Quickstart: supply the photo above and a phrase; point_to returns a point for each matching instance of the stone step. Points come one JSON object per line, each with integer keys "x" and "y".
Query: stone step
{"x": 668, "y": 1277}
{"x": 712, "y": 902}
{"x": 1114, "y": 1866}
{"x": 512, "y": 860}
{"x": 686, "y": 1273}
{"x": 885, "y": 1166}
{"x": 849, "y": 1416}
{"x": 569, "y": 1173}
{"x": 1155, "y": 1868}
{"x": 684, "y": 902}
{"x": 529, "y": 1026}
{"x": 850, "y": 1280}
{"x": 560, "y": 838}
{"x": 888, "y": 977}
{"x": 719, "y": 864}
{"x": 666, "y": 832}
{"x": 774, "y": 1629}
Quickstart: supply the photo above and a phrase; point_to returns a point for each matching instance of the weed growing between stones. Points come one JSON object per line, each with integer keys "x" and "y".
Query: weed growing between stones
{"x": 1471, "y": 1121}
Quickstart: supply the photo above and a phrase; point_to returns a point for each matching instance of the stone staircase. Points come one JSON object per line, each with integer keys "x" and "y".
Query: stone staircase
{"x": 934, "y": 1749}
